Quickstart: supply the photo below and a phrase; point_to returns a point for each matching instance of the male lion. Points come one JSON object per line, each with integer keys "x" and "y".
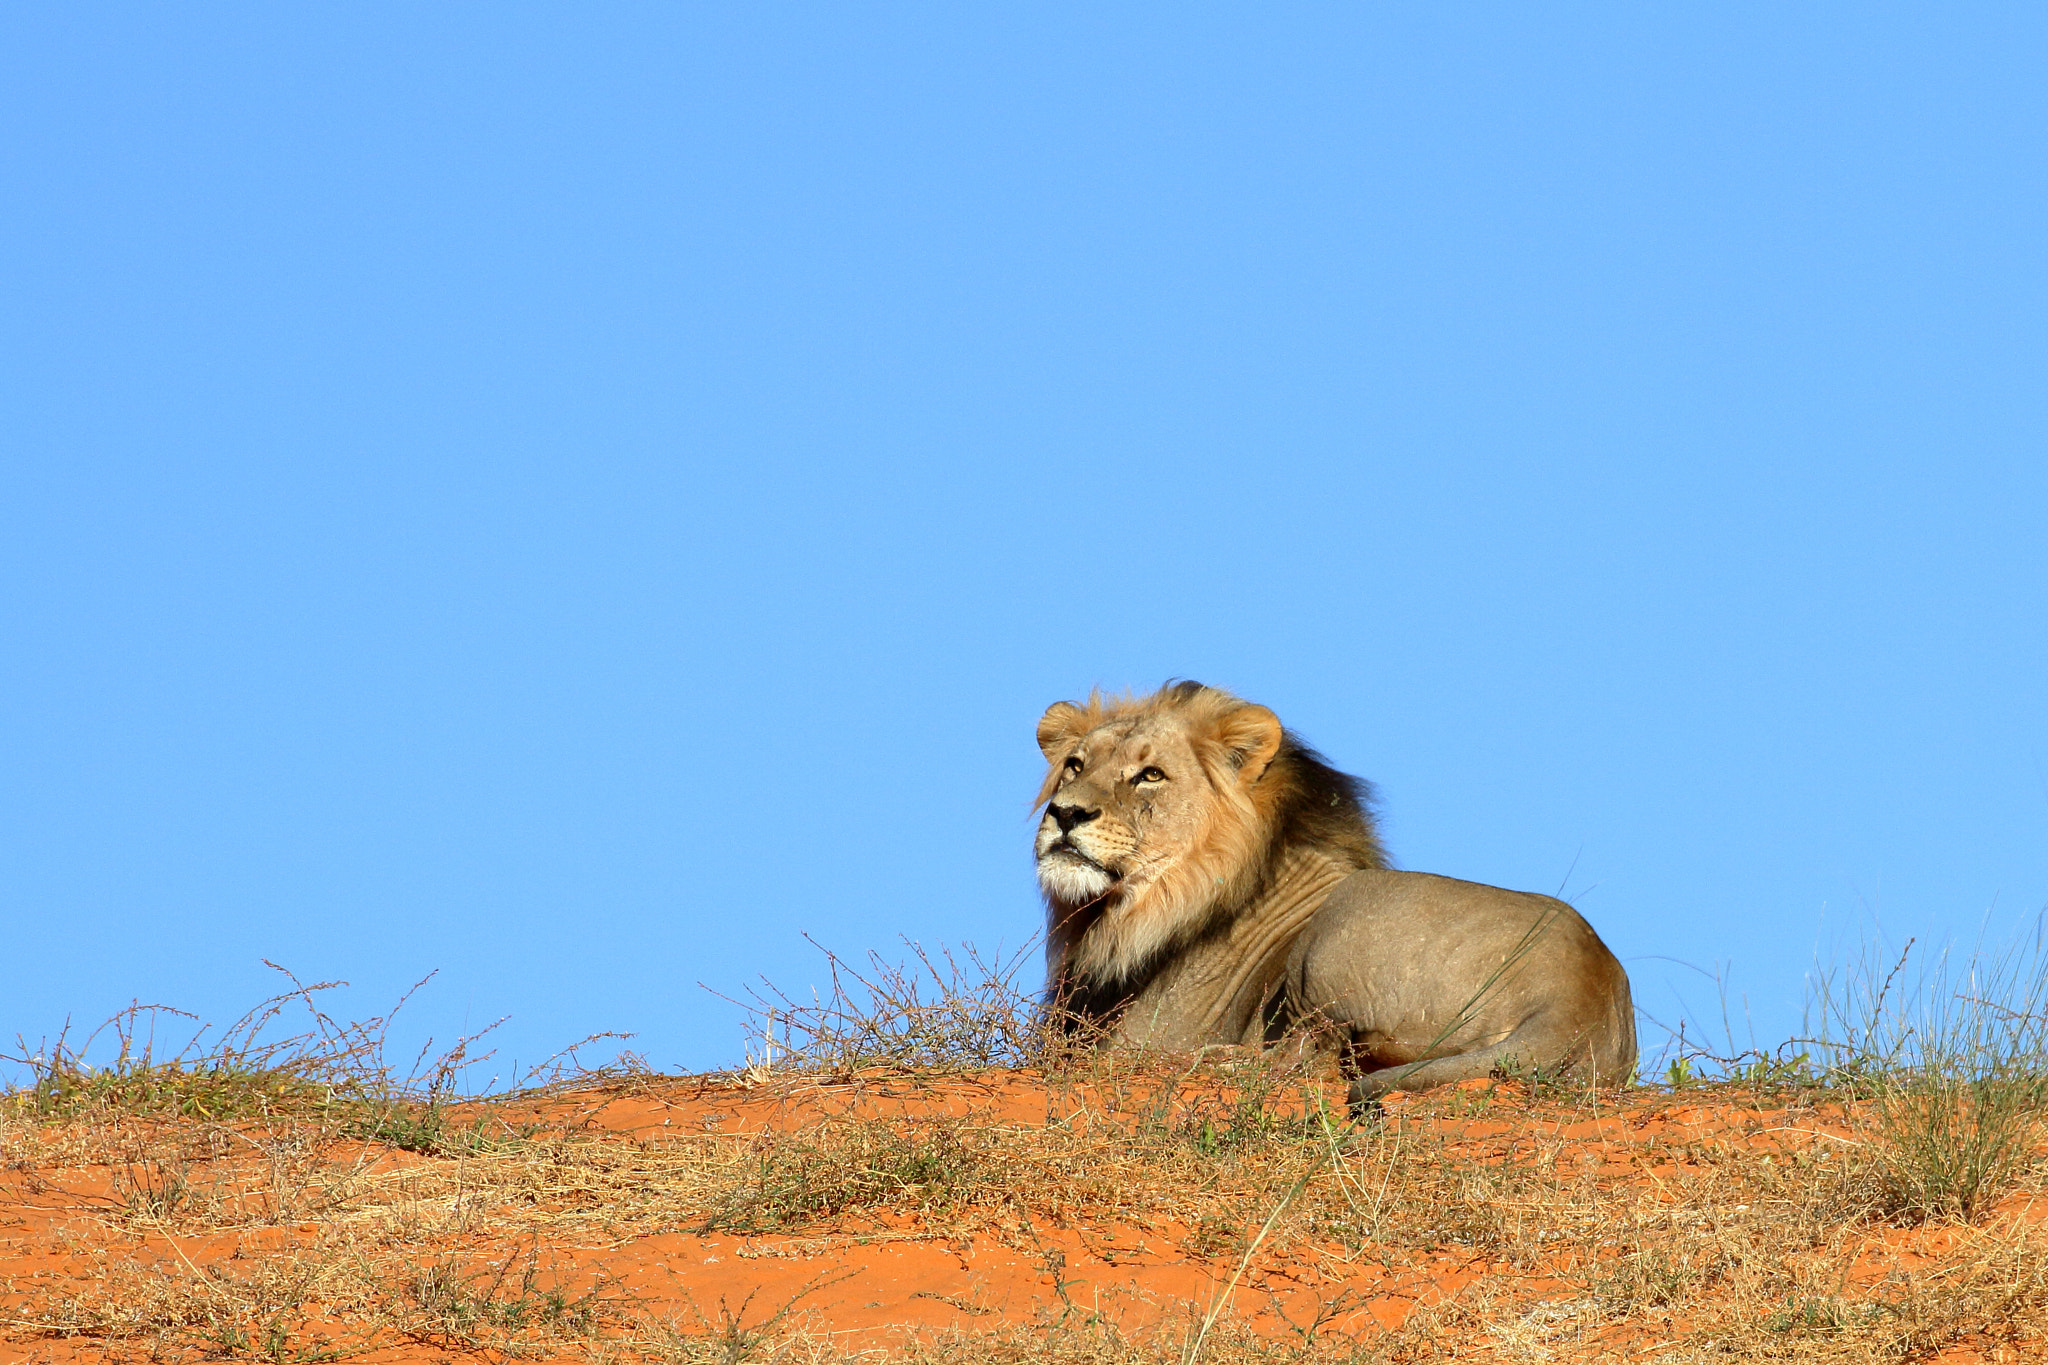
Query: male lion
{"x": 1210, "y": 879}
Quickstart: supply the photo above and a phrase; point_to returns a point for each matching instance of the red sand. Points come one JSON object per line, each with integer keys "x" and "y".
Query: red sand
{"x": 863, "y": 1281}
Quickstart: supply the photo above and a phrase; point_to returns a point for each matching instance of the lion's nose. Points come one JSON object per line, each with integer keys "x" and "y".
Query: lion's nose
{"x": 1066, "y": 817}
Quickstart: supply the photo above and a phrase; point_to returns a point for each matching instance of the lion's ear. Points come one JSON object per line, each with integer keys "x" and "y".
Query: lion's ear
{"x": 1251, "y": 736}
{"x": 1060, "y": 726}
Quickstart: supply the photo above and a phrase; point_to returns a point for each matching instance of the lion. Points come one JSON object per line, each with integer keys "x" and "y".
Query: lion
{"x": 1210, "y": 879}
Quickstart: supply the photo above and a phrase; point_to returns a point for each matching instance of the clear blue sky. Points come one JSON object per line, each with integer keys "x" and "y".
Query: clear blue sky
{"x": 577, "y": 496}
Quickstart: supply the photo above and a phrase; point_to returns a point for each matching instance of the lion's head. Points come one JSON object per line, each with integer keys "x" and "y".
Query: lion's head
{"x": 1168, "y": 813}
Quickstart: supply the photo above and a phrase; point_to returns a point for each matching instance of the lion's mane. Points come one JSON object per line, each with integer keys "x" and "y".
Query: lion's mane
{"x": 1249, "y": 834}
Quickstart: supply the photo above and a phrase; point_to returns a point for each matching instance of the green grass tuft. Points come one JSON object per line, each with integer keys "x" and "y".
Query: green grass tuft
{"x": 1952, "y": 1054}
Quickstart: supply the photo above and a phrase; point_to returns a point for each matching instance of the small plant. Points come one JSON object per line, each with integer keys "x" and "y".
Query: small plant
{"x": 1542, "y": 1082}
{"x": 152, "y": 1190}
{"x": 419, "y": 1128}
{"x": 1952, "y": 1063}
{"x": 1788, "y": 1069}
{"x": 732, "y": 1340}
{"x": 465, "y": 1307}
{"x": 235, "y": 1076}
{"x": 1772, "y": 1073}
{"x": 1650, "y": 1278}
{"x": 851, "y": 1167}
{"x": 1219, "y": 1235}
{"x": 1253, "y": 1107}
{"x": 274, "y": 1343}
{"x": 242, "y": 1072}
{"x": 945, "y": 1011}
{"x": 1822, "y": 1315}
{"x": 326, "y": 1071}
{"x": 423, "y": 1127}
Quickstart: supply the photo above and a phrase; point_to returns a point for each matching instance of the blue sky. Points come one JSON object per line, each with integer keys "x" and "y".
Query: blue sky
{"x": 578, "y": 498}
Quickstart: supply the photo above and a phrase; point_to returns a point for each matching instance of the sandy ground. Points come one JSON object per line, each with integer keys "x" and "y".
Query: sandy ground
{"x": 126, "y": 1239}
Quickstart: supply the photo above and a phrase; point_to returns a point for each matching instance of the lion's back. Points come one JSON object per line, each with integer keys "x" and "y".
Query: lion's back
{"x": 1414, "y": 945}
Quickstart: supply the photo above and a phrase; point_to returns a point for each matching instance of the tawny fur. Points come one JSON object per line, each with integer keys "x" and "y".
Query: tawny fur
{"x": 1246, "y": 797}
{"x": 1260, "y": 792}
{"x": 1210, "y": 879}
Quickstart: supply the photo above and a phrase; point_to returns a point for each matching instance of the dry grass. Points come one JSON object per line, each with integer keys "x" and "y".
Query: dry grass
{"x": 1952, "y": 1053}
{"x": 288, "y": 1202}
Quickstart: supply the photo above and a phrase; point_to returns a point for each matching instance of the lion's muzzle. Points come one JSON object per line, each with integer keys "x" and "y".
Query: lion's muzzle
{"x": 1072, "y": 876}
{"x": 1075, "y": 850}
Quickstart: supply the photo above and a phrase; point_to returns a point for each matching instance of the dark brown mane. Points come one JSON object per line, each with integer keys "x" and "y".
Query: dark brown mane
{"x": 1323, "y": 808}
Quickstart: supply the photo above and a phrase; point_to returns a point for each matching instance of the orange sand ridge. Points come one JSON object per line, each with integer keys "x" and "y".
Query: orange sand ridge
{"x": 131, "y": 1239}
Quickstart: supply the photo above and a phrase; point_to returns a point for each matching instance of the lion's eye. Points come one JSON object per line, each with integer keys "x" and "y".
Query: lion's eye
{"x": 1151, "y": 775}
